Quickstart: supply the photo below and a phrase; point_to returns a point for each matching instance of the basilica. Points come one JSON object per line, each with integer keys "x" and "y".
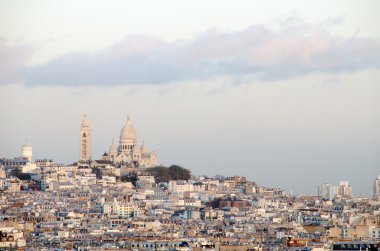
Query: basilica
{"x": 128, "y": 152}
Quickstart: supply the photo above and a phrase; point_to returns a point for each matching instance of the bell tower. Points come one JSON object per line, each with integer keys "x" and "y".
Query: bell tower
{"x": 85, "y": 140}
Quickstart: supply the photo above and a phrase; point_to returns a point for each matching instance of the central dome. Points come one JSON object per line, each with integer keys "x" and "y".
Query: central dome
{"x": 128, "y": 133}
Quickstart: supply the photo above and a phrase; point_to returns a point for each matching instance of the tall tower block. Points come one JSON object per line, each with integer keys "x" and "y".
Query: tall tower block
{"x": 376, "y": 189}
{"x": 85, "y": 140}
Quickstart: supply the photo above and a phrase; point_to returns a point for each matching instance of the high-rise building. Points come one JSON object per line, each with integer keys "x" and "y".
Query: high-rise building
{"x": 327, "y": 191}
{"x": 85, "y": 140}
{"x": 376, "y": 189}
{"x": 344, "y": 190}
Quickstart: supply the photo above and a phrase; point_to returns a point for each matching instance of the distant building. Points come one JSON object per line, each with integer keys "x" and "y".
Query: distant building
{"x": 180, "y": 186}
{"x": 85, "y": 140}
{"x": 327, "y": 191}
{"x": 2, "y": 178}
{"x": 11, "y": 238}
{"x": 123, "y": 209}
{"x": 2, "y": 172}
{"x": 128, "y": 152}
{"x": 44, "y": 162}
{"x": 344, "y": 190}
{"x": 376, "y": 189}
{"x": 14, "y": 185}
{"x": 23, "y": 163}
{"x": 233, "y": 203}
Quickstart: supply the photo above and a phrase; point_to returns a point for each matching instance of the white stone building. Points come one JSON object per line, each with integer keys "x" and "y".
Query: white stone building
{"x": 180, "y": 186}
{"x": 23, "y": 163}
{"x": 128, "y": 151}
{"x": 123, "y": 209}
{"x": 85, "y": 152}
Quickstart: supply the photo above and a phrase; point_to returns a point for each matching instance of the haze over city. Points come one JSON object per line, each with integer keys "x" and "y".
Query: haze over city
{"x": 285, "y": 93}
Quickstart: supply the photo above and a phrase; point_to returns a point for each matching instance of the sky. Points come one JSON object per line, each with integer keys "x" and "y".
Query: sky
{"x": 286, "y": 93}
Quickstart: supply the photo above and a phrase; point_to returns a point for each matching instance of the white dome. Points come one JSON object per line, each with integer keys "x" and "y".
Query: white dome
{"x": 128, "y": 133}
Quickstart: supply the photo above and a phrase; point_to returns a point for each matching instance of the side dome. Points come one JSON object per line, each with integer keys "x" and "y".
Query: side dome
{"x": 128, "y": 133}
{"x": 112, "y": 150}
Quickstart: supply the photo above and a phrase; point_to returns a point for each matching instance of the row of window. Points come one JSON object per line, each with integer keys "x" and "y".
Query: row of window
{"x": 127, "y": 147}
{"x": 13, "y": 163}
{"x": 154, "y": 245}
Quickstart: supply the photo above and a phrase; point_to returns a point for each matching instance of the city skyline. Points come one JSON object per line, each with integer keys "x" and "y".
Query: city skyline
{"x": 86, "y": 124}
{"x": 287, "y": 96}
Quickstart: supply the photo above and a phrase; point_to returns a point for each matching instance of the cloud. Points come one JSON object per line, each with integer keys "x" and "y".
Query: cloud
{"x": 12, "y": 61}
{"x": 291, "y": 49}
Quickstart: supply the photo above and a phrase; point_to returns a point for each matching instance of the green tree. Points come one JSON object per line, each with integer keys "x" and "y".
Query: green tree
{"x": 20, "y": 175}
{"x": 174, "y": 172}
{"x": 161, "y": 173}
{"x": 214, "y": 203}
{"x": 129, "y": 178}
{"x": 179, "y": 173}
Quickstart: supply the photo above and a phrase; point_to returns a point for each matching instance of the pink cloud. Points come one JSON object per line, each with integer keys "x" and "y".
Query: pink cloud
{"x": 12, "y": 61}
{"x": 293, "y": 48}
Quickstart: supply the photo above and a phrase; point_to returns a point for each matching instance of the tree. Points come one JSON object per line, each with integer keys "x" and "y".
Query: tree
{"x": 179, "y": 173}
{"x": 20, "y": 175}
{"x": 174, "y": 172}
{"x": 129, "y": 178}
{"x": 214, "y": 203}
{"x": 161, "y": 173}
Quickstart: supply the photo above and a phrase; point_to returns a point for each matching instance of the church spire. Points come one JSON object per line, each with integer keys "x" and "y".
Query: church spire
{"x": 128, "y": 122}
{"x": 143, "y": 148}
{"x": 112, "y": 150}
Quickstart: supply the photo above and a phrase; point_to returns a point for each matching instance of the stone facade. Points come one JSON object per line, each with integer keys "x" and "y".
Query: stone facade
{"x": 129, "y": 151}
{"x": 85, "y": 140}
